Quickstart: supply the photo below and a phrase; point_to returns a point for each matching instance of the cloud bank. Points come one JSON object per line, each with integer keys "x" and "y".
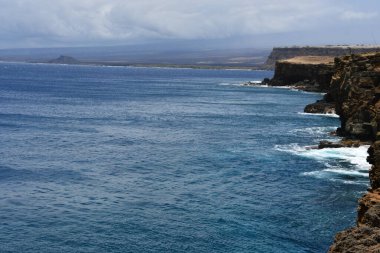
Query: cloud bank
{"x": 95, "y": 22}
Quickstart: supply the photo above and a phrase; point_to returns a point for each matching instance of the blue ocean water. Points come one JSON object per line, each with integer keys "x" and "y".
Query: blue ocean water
{"x": 107, "y": 159}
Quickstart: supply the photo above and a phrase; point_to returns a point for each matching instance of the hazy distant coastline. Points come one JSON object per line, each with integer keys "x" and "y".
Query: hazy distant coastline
{"x": 135, "y": 56}
{"x": 248, "y": 58}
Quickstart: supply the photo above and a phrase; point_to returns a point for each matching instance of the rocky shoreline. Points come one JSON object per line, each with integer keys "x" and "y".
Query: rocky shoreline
{"x": 353, "y": 92}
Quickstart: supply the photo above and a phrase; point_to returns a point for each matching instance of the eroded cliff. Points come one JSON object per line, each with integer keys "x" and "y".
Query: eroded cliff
{"x": 355, "y": 91}
{"x": 310, "y": 73}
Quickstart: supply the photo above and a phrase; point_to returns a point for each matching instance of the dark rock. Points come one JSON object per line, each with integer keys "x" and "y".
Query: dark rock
{"x": 303, "y": 75}
{"x": 266, "y": 81}
{"x": 329, "y": 144}
{"x": 341, "y": 144}
{"x": 355, "y": 88}
{"x": 320, "y": 106}
{"x": 355, "y": 96}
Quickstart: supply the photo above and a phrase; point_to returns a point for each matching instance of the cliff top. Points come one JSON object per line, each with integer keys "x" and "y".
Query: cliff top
{"x": 281, "y": 53}
{"x": 332, "y": 47}
{"x": 310, "y": 60}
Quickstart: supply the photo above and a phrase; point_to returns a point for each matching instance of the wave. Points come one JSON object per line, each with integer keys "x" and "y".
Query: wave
{"x": 356, "y": 156}
{"x": 342, "y": 175}
{"x": 231, "y": 84}
{"x": 253, "y": 82}
{"x": 346, "y": 165}
{"x": 237, "y": 69}
{"x": 245, "y": 84}
{"x": 332, "y": 115}
{"x": 314, "y": 131}
{"x": 337, "y": 171}
{"x": 258, "y": 84}
{"x": 307, "y": 92}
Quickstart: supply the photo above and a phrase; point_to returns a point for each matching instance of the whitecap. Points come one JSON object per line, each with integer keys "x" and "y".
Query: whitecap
{"x": 338, "y": 171}
{"x": 253, "y": 82}
{"x": 314, "y": 131}
{"x": 341, "y": 171}
{"x": 332, "y": 115}
{"x": 293, "y": 148}
{"x": 256, "y": 85}
{"x": 341, "y": 164}
{"x": 356, "y": 156}
{"x": 283, "y": 87}
{"x": 246, "y": 84}
{"x": 308, "y": 92}
{"x": 230, "y": 84}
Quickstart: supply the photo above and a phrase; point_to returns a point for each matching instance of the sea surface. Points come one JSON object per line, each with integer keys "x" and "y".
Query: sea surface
{"x": 119, "y": 159}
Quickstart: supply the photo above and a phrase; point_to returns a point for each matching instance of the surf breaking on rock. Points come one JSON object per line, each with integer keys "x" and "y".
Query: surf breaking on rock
{"x": 354, "y": 94}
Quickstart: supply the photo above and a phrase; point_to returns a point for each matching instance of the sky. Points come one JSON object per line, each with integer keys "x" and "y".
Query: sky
{"x": 222, "y": 23}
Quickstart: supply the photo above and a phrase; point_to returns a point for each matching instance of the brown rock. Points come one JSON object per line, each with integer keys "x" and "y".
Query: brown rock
{"x": 369, "y": 210}
{"x": 320, "y": 106}
{"x": 355, "y": 88}
{"x": 357, "y": 240}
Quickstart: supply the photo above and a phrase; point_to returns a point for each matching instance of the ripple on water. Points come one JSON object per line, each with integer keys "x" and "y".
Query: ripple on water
{"x": 165, "y": 160}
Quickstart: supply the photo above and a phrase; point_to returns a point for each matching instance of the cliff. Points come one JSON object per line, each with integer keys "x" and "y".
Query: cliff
{"x": 311, "y": 73}
{"x": 280, "y": 53}
{"x": 355, "y": 91}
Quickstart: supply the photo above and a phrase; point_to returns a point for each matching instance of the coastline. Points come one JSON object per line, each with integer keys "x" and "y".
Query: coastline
{"x": 353, "y": 92}
{"x": 148, "y": 65}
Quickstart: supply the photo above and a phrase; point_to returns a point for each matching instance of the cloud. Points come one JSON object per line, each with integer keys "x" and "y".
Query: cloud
{"x": 357, "y": 15}
{"x": 83, "y": 22}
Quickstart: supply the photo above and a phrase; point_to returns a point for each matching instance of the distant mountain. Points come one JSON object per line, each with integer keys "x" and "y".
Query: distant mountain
{"x": 63, "y": 59}
{"x": 143, "y": 54}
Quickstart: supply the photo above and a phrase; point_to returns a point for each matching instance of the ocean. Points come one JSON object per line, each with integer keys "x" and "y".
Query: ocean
{"x": 123, "y": 159}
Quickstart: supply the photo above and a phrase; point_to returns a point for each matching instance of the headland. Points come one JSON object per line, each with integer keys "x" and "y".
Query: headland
{"x": 352, "y": 86}
{"x": 281, "y": 53}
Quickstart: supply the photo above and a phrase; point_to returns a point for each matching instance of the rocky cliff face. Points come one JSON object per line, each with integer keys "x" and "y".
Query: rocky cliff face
{"x": 355, "y": 88}
{"x": 280, "y": 53}
{"x": 312, "y": 73}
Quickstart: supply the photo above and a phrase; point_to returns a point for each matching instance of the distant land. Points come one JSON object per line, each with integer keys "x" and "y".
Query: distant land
{"x": 281, "y": 53}
{"x": 145, "y": 56}
{"x": 63, "y": 59}
{"x": 68, "y": 60}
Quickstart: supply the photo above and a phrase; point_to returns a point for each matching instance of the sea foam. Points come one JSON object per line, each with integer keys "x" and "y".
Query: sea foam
{"x": 246, "y": 84}
{"x": 313, "y": 131}
{"x": 332, "y": 115}
{"x": 347, "y": 165}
